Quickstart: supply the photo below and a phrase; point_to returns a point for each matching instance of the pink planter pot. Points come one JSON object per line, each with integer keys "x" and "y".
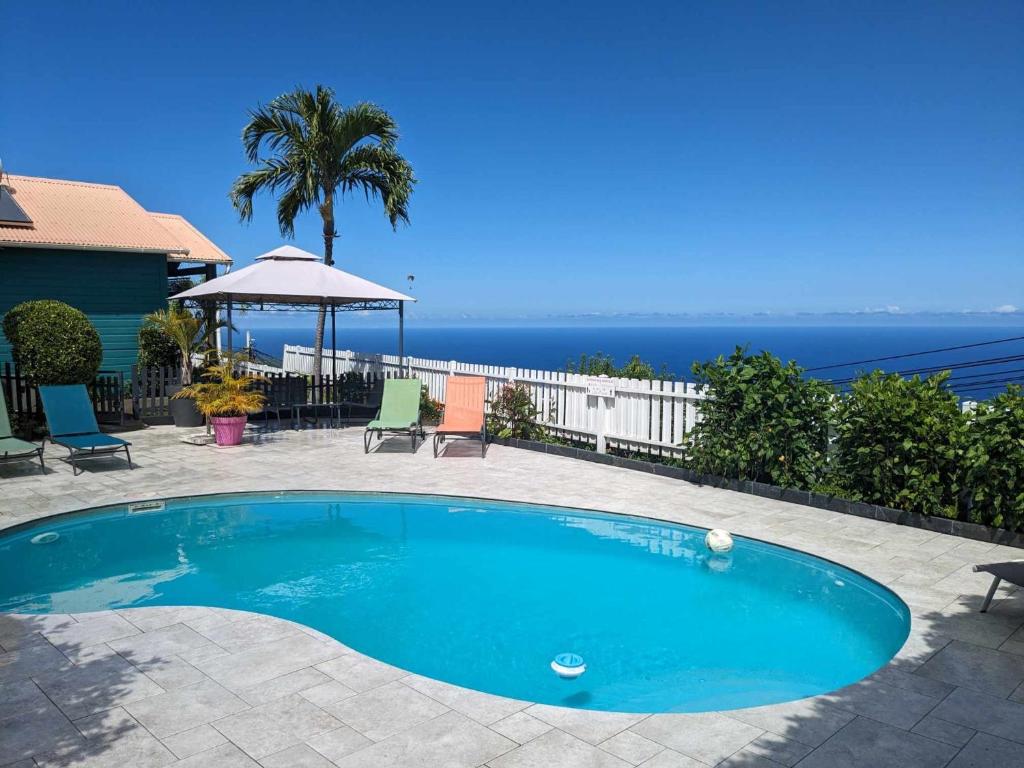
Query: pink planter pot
{"x": 227, "y": 430}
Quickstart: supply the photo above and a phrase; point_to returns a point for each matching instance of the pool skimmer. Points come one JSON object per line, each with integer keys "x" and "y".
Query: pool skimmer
{"x": 142, "y": 507}
{"x": 568, "y": 666}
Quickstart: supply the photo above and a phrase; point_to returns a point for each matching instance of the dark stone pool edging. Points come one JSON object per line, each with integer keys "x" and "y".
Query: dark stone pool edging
{"x": 973, "y": 531}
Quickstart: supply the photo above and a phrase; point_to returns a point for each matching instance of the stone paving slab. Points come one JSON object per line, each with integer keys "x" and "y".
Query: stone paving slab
{"x": 196, "y": 686}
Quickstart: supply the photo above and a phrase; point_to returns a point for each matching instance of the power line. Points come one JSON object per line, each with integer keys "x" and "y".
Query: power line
{"x": 993, "y": 384}
{"x": 916, "y": 354}
{"x": 986, "y": 374}
{"x": 959, "y": 384}
{"x": 938, "y": 368}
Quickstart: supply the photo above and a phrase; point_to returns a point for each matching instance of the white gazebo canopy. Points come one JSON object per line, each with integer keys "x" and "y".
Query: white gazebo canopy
{"x": 292, "y": 276}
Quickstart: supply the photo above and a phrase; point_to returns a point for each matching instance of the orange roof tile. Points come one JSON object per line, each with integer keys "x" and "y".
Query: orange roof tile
{"x": 199, "y": 247}
{"x": 75, "y": 214}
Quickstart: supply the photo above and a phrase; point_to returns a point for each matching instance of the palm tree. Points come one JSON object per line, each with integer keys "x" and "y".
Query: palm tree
{"x": 318, "y": 151}
{"x": 186, "y": 330}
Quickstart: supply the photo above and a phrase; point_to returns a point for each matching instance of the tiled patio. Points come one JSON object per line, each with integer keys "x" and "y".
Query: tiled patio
{"x": 209, "y": 687}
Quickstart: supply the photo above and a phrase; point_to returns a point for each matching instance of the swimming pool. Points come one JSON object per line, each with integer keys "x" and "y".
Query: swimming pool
{"x": 483, "y": 594}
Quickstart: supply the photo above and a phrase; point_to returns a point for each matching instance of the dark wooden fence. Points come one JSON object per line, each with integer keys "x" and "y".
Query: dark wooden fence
{"x": 145, "y": 394}
{"x": 108, "y": 395}
{"x": 360, "y": 392}
{"x": 22, "y": 398}
{"x": 151, "y": 390}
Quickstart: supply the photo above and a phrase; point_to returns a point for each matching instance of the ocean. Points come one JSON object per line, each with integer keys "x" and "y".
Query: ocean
{"x": 676, "y": 348}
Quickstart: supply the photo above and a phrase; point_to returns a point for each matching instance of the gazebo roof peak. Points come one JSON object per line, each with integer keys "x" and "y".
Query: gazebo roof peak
{"x": 288, "y": 252}
{"x": 289, "y": 275}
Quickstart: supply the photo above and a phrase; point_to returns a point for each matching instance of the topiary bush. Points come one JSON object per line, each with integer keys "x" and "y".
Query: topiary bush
{"x": 994, "y": 461}
{"x": 763, "y": 421}
{"x": 156, "y": 348}
{"x": 898, "y": 443}
{"x": 53, "y": 343}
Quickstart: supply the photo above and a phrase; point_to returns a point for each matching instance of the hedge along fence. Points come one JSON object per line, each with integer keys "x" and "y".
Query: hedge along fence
{"x": 897, "y": 443}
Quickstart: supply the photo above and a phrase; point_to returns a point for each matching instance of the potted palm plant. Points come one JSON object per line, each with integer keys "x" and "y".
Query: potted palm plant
{"x": 226, "y": 399}
{"x": 187, "y": 332}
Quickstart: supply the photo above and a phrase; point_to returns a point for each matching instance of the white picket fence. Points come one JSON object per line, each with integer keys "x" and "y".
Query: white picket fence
{"x": 640, "y": 416}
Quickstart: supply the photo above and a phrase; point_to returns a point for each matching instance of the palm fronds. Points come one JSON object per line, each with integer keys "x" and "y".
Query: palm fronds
{"x": 225, "y": 393}
{"x": 309, "y": 150}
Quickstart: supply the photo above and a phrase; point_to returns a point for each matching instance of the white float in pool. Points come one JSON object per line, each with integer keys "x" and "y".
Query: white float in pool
{"x": 568, "y": 666}
{"x": 45, "y": 538}
{"x": 718, "y": 540}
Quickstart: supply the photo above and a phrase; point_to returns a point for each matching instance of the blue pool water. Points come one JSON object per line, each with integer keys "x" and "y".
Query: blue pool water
{"x": 484, "y": 594}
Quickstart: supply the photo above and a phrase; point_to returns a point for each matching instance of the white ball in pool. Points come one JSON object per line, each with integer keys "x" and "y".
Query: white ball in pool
{"x": 718, "y": 540}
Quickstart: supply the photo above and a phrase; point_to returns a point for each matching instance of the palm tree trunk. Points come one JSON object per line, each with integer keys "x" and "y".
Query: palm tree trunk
{"x": 327, "y": 212}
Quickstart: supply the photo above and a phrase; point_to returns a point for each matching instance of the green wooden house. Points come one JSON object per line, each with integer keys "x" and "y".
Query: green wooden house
{"x": 95, "y": 248}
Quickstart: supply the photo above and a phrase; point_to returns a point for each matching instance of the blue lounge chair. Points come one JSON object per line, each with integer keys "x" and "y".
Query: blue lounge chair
{"x": 72, "y": 424}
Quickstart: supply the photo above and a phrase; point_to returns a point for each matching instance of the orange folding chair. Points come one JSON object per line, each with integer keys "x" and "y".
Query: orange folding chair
{"x": 463, "y": 411}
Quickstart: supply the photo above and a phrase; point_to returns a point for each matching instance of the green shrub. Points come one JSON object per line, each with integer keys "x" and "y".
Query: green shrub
{"x": 604, "y": 365}
{"x": 898, "y": 443}
{"x": 763, "y": 422}
{"x": 53, "y": 343}
{"x": 994, "y": 461}
{"x": 514, "y": 415}
{"x": 156, "y": 348}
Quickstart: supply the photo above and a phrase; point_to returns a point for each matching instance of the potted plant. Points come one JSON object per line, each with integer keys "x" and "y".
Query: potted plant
{"x": 186, "y": 333}
{"x": 226, "y": 399}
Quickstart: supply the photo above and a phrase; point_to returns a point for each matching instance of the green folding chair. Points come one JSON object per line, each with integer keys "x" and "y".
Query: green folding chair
{"x": 12, "y": 448}
{"x": 399, "y": 412}
{"x": 72, "y": 425}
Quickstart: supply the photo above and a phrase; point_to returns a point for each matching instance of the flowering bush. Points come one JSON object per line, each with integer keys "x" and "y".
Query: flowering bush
{"x": 513, "y": 414}
{"x": 431, "y": 410}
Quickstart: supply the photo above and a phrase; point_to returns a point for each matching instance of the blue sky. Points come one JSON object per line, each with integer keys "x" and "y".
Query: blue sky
{"x": 676, "y": 157}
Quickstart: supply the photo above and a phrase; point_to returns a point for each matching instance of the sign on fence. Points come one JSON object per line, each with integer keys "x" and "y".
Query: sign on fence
{"x": 600, "y": 386}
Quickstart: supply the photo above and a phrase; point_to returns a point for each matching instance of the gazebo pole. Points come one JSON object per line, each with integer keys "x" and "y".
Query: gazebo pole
{"x": 334, "y": 356}
{"x": 401, "y": 335}
{"x": 231, "y": 347}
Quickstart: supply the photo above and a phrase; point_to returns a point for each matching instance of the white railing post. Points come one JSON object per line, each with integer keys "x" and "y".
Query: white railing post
{"x": 600, "y": 389}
